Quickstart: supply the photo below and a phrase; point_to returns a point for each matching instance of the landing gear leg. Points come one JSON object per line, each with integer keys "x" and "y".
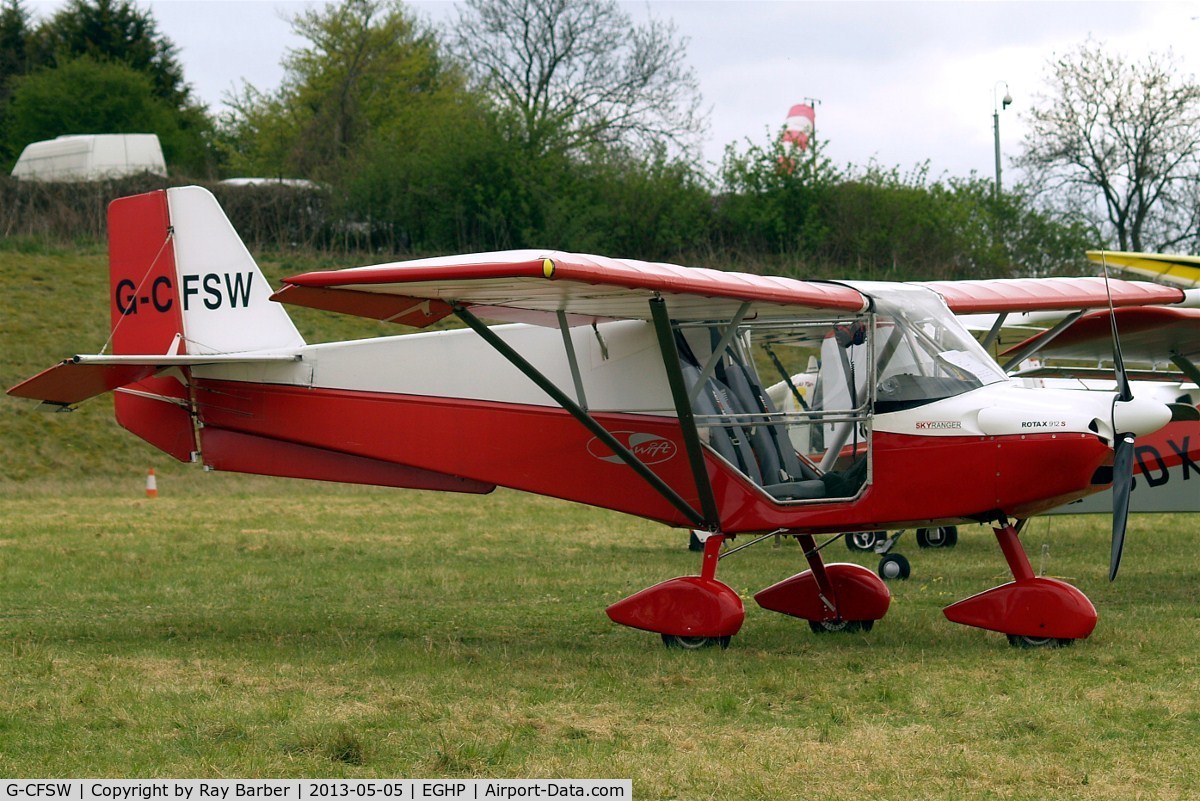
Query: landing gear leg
{"x": 836, "y": 597}
{"x": 1033, "y": 611}
{"x": 689, "y": 612}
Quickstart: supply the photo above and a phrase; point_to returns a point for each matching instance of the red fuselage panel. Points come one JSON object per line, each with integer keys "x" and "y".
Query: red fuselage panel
{"x": 545, "y": 451}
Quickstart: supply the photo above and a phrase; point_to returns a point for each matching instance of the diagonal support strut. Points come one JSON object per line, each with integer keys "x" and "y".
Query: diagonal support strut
{"x": 580, "y": 414}
{"x": 683, "y": 411}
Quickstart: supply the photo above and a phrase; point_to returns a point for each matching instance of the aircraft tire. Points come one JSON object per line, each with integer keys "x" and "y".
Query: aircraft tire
{"x": 840, "y": 626}
{"x": 1023, "y": 641}
{"x": 864, "y": 540}
{"x": 694, "y": 643}
{"x": 944, "y": 537}
{"x": 894, "y": 566}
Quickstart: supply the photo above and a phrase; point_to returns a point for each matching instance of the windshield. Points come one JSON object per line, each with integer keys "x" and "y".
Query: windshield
{"x": 923, "y": 353}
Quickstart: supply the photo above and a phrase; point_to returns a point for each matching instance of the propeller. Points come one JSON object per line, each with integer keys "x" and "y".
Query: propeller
{"x": 1122, "y": 445}
{"x": 1130, "y": 417}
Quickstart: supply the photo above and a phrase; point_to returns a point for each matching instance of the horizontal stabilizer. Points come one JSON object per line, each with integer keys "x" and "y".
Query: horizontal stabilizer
{"x": 79, "y": 378}
{"x": 69, "y": 382}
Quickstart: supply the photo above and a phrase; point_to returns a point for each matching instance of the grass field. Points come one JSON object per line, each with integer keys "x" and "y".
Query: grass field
{"x": 257, "y": 628}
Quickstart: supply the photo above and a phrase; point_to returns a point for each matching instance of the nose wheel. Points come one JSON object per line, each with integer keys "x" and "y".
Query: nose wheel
{"x": 893, "y": 567}
{"x": 1033, "y": 611}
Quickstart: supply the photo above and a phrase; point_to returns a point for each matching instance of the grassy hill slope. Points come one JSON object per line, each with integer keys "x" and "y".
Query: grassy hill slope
{"x": 53, "y": 304}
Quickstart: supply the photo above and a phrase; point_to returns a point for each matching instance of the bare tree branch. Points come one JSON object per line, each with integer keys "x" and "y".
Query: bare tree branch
{"x": 1118, "y": 141}
{"x": 577, "y": 72}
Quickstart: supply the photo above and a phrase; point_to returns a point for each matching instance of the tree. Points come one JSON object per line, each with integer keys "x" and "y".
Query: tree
{"x": 772, "y": 196}
{"x": 1118, "y": 141}
{"x": 14, "y": 42}
{"x": 370, "y": 106}
{"x": 114, "y": 30}
{"x": 14, "y": 61}
{"x": 367, "y": 64}
{"x": 87, "y": 96}
{"x": 570, "y": 73}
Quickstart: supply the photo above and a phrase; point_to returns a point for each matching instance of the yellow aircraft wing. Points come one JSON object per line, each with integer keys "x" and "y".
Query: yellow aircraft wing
{"x": 1183, "y": 271}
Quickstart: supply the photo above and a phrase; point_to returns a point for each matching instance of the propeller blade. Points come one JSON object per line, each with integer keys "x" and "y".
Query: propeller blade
{"x": 1122, "y": 486}
{"x": 1183, "y": 413}
{"x": 1124, "y": 393}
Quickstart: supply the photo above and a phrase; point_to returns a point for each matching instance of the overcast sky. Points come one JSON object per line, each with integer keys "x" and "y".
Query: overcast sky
{"x": 898, "y": 82}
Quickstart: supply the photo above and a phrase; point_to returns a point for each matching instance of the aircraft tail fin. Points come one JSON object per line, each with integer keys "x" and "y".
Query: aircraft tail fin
{"x": 181, "y": 280}
{"x": 182, "y": 285}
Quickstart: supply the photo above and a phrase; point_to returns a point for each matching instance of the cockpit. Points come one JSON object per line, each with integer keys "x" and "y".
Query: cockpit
{"x": 789, "y": 402}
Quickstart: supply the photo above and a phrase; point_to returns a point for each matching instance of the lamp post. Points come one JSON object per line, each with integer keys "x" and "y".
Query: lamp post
{"x": 997, "y": 106}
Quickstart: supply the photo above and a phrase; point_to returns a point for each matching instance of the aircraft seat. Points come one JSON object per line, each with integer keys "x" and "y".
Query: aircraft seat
{"x": 730, "y": 439}
{"x": 745, "y": 440}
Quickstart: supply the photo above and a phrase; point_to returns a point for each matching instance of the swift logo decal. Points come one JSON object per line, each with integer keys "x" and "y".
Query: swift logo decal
{"x": 649, "y": 448}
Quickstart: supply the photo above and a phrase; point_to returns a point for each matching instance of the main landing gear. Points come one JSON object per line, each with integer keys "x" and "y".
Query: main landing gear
{"x": 690, "y": 612}
{"x": 693, "y": 612}
{"x": 1035, "y": 612}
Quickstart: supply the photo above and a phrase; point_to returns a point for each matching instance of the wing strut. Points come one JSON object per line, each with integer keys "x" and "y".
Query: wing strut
{"x": 579, "y": 413}
{"x": 683, "y": 409}
{"x": 1188, "y": 367}
{"x": 1041, "y": 342}
{"x": 994, "y": 333}
{"x": 572, "y": 359}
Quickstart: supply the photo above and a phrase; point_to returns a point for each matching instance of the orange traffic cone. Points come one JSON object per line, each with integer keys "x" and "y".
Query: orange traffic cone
{"x": 151, "y": 484}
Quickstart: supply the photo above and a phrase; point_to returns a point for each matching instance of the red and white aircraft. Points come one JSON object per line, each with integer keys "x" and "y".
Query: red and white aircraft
{"x": 626, "y": 385}
{"x": 1160, "y": 346}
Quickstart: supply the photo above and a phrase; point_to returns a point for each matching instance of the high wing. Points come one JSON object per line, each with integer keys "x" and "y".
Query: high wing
{"x": 1012, "y": 295}
{"x": 1181, "y": 271}
{"x": 535, "y": 286}
{"x": 1050, "y": 307}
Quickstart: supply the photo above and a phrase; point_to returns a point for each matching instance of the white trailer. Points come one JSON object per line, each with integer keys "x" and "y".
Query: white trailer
{"x": 90, "y": 157}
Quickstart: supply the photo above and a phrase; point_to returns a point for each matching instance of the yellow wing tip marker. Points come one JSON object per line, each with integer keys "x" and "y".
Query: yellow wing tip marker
{"x": 548, "y": 268}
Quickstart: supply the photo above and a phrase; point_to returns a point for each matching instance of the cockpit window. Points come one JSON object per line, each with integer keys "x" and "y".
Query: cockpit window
{"x": 923, "y": 354}
{"x": 803, "y": 438}
{"x": 788, "y": 402}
